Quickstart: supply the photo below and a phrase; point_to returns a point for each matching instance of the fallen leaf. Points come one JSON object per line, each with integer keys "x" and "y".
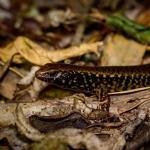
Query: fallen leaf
{"x": 122, "y": 51}
{"x": 35, "y": 54}
{"x": 8, "y": 86}
{"x": 122, "y": 102}
{"x": 7, "y": 52}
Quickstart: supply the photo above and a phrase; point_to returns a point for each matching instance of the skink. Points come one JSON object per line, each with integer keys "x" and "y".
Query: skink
{"x": 92, "y": 79}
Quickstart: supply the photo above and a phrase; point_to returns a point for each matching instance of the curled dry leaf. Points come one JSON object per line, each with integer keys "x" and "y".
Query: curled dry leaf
{"x": 40, "y": 56}
{"x": 122, "y": 51}
{"x": 7, "y": 52}
{"x": 8, "y": 86}
{"x": 34, "y": 53}
{"x": 5, "y": 67}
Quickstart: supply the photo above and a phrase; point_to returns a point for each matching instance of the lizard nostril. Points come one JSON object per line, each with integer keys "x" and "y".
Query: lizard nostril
{"x": 39, "y": 74}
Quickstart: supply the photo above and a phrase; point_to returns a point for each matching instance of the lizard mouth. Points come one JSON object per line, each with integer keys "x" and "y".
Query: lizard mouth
{"x": 41, "y": 75}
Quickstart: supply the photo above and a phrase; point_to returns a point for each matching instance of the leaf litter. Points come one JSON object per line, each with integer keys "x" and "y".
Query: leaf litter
{"x": 28, "y": 119}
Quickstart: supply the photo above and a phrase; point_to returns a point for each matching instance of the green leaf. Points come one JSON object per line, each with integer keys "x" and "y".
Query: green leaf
{"x": 134, "y": 30}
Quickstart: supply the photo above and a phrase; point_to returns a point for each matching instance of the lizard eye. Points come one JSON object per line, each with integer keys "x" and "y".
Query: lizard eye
{"x": 47, "y": 76}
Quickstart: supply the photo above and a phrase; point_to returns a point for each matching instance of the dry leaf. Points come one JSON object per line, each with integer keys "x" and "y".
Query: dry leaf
{"x": 122, "y": 51}
{"x": 8, "y": 86}
{"x": 35, "y": 54}
{"x": 122, "y": 102}
{"x": 7, "y": 52}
